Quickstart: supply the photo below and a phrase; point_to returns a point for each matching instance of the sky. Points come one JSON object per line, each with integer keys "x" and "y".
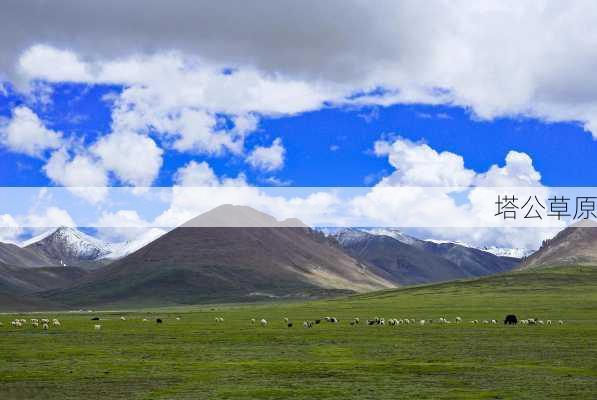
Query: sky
{"x": 285, "y": 94}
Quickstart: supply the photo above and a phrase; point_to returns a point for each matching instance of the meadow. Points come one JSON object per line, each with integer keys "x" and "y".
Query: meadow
{"x": 197, "y": 358}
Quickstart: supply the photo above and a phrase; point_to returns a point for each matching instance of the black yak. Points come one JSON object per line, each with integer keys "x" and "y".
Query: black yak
{"x": 510, "y": 319}
{"x": 95, "y": 319}
{"x": 158, "y": 321}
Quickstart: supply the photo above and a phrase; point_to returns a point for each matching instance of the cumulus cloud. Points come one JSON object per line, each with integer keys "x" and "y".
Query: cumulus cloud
{"x": 83, "y": 175}
{"x": 26, "y": 133}
{"x": 201, "y": 174}
{"x": 446, "y": 200}
{"x": 50, "y": 217}
{"x": 268, "y": 158}
{"x": 121, "y": 225}
{"x": 518, "y": 171}
{"x": 9, "y": 229}
{"x": 497, "y": 58}
{"x": 417, "y": 164}
{"x": 135, "y": 159}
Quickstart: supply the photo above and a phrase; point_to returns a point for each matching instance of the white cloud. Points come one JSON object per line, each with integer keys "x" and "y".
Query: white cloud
{"x": 201, "y": 174}
{"x": 38, "y": 60}
{"x": 418, "y": 164}
{"x": 50, "y": 217}
{"x": 436, "y": 197}
{"x": 134, "y": 158}
{"x": 121, "y": 225}
{"x": 518, "y": 171}
{"x": 497, "y": 58}
{"x": 25, "y": 133}
{"x": 196, "y": 174}
{"x": 180, "y": 97}
{"x": 84, "y": 176}
{"x": 268, "y": 158}
{"x": 9, "y": 229}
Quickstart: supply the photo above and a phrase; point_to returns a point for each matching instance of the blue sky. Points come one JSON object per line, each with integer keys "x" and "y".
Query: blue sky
{"x": 328, "y": 147}
{"x": 435, "y": 94}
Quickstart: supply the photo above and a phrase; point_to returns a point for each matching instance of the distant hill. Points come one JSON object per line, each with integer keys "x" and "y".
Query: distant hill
{"x": 19, "y": 280}
{"x": 12, "y": 254}
{"x": 262, "y": 258}
{"x": 575, "y": 245}
{"x": 412, "y": 261}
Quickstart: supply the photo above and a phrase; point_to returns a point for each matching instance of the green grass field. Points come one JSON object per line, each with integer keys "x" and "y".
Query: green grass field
{"x": 195, "y": 358}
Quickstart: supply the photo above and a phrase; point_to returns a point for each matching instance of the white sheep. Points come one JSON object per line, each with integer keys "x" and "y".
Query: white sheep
{"x": 122, "y": 318}
{"x": 178, "y": 318}
{"x": 46, "y": 327}
{"x": 263, "y": 322}
{"x": 145, "y": 320}
{"x": 253, "y": 321}
{"x": 56, "y": 322}
{"x": 548, "y": 322}
{"x": 561, "y": 322}
{"x": 458, "y": 320}
{"x": 422, "y": 322}
{"x": 493, "y": 321}
{"x": 97, "y": 327}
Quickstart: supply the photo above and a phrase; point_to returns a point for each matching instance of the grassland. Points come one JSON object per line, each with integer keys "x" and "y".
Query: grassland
{"x": 195, "y": 358}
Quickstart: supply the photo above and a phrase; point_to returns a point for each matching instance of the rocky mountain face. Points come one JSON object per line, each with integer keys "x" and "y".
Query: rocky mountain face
{"x": 575, "y": 245}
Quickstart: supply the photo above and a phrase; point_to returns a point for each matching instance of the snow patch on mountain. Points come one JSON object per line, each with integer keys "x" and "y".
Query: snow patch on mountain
{"x": 394, "y": 234}
{"x": 508, "y": 252}
{"x": 130, "y": 246}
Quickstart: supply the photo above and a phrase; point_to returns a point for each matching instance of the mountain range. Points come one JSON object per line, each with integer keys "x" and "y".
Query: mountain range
{"x": 413, "y": 261}
{"x": 235, "y": 253}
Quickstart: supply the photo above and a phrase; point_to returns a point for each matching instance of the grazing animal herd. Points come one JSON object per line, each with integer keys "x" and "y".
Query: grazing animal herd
{"x": 35, "y": 323}
{"x": 510, "y": 319}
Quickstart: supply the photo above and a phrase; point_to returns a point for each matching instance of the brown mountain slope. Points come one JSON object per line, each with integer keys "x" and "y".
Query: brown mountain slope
{"x": 574, "y": 245}
{"x": 196, "y": 264}
{"x": 14, "y": 255}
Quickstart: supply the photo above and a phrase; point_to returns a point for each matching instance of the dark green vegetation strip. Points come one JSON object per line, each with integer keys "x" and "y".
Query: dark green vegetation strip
{"x": 197, "y": 358}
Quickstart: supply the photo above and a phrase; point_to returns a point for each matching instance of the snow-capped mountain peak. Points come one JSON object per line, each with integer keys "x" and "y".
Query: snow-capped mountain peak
{"x": 68, "y": 245}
